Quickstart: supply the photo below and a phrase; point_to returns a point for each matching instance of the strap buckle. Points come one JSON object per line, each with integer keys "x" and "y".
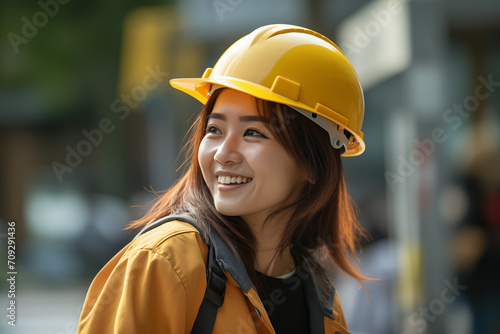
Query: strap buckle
{"x": 216, "y": 287}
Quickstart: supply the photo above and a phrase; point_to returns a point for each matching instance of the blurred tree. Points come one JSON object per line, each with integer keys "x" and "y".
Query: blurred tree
{"x": 70, "y": 59}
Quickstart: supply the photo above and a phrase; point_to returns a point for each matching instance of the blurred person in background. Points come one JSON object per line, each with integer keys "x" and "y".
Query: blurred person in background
{"x": 476, "y": 243}
{"x": 262, "y": 217}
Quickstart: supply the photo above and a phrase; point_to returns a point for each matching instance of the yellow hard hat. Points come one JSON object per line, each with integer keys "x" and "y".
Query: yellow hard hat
{"x": 294, "y": 66}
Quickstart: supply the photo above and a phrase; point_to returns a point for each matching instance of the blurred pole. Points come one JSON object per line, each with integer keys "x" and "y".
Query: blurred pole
{"x": 430, "y": 101}
{"x": 414, "y": 149}
{"x": 404, "y": 214}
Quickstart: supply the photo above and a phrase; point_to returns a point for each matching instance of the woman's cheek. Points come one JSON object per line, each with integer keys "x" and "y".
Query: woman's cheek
{"x": 202, "y": 159}
{"x": 205, "y": 159}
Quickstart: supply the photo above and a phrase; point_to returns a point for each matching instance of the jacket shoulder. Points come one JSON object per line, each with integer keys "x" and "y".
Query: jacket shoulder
{"x": 159, "y": 276}
{"x": 176, "y": 241}
{"x": 167, "y": 237}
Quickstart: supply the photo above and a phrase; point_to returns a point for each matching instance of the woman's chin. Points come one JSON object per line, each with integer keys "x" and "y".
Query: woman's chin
{"x": 228, "y": 211}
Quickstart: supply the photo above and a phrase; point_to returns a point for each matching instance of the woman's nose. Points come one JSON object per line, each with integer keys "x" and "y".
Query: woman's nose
{"x": 228, "y": 152}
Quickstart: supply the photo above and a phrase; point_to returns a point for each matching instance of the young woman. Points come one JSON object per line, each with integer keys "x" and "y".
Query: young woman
{"x": 264, "y": 186}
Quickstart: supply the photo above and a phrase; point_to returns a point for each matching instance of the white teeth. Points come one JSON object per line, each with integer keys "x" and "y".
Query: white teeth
{"x": 233, "y": 179}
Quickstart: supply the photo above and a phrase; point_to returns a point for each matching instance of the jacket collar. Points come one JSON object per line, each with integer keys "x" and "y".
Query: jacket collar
{"x": 231, "y": 263}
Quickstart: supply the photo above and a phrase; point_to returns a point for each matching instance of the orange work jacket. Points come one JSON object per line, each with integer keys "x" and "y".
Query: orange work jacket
{"x": 157, "y": 282}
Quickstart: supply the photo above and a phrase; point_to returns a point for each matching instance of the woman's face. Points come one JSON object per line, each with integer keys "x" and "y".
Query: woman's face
{"x": 247, "y": 171}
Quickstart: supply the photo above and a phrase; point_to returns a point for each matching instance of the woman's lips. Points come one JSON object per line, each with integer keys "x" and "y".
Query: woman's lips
{"x": 226, "y": 179}
{"x": 227, "y": 182}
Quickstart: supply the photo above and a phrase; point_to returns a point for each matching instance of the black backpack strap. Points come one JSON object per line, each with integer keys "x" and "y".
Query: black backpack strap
{"x": 214, "y": 296}
{"x": 216, "y": 280}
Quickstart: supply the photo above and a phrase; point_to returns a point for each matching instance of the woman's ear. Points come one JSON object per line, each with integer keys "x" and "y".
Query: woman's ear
{"x": 307, "y": 175}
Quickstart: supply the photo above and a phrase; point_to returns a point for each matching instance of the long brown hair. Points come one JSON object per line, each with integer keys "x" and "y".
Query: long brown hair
{"x": 323, "y": 224}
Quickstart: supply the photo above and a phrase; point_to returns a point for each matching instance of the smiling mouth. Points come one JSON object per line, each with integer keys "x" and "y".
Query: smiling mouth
{"x": 233, "y": 179}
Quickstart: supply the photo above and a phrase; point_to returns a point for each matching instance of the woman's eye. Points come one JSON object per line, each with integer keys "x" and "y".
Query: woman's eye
{"x": 254, "y": 133}
{"x": 212, "y": 129}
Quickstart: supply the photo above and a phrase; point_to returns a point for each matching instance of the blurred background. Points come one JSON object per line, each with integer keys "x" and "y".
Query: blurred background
{"x": 89, "y": 127}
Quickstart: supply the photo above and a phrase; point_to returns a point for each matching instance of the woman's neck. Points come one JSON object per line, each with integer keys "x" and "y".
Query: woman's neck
{"x": 268, "y": 259}
{"x": 274, "y": 264}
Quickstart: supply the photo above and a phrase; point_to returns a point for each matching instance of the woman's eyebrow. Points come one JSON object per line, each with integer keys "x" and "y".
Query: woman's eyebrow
{"x": 216, "y": 116}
